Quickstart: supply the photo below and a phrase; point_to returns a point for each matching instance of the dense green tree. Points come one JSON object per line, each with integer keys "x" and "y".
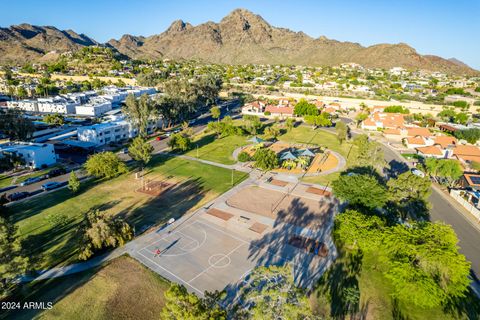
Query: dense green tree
{"x": 73, "y": 182}
{"x": 408, "y": 186}
{"x": 471, "y": 135}
{"x": 342, "y": 131}
{"x": 244, "y": 157}
{"x": 180, "y": 142}
{"x": 101, "y": 230}
{"x": 265, "y": 159}
{"x": 357, "y": 231}
{"x": 304, "y": 108}
{"x": 140, "y": 112}
{"x": 252, "y": 124}
{"x": 180, "y": 304}
{"x": 461, "y": 118}
{"x": 423, "y": 263}
{"x": 54, "y": 119}
{"x": 15, "y": 125}
{"x": 447, "y": 115}
{"x": 105, "y": 165}
{"x": 360, "y": 190}
{"x": 141, "y": 151}
{"x": 322, "y": 120}
{"x": 12, "y": 261}
{"x": 446, "y": 171}
{"x": 215, "y": 111}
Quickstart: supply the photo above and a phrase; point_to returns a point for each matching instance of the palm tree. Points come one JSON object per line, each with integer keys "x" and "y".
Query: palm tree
{"x": 303, "y": 162}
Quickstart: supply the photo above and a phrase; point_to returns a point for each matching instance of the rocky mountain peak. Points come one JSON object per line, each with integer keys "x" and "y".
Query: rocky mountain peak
{"x": 178, "y": 26}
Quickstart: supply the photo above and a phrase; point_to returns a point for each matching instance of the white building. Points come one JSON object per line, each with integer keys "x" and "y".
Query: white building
{"x": 95, "y": 108}
{"x": 35, "y": 155}
{"x": 56, "y": 104}
{"x": 108, "y": 132}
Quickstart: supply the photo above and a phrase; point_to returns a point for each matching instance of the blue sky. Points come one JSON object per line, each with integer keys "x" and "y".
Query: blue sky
{"x": 441, "y": 27}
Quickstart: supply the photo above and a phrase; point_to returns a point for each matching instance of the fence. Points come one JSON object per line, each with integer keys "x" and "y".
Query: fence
{"x": 467, "y": 205}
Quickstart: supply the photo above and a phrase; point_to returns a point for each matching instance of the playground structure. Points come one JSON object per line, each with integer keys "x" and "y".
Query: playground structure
{"x": 154, "y": 188}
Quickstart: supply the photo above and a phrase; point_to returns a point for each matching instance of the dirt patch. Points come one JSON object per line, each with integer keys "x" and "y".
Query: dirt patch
{"x": 220, "y": 214}
{"x": 282, "y": 207}
{"x": 155, "y": 188}
{"x": 323, "y": 162}
{"x": 258, "y": 227}
{"x": 279, "y": 183}
{"x": 318, "y": 191}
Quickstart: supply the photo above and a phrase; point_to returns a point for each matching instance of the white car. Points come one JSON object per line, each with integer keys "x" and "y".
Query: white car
{"x": 418, "y": 173}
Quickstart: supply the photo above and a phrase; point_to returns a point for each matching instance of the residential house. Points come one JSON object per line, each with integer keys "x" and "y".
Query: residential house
{"x": 430, "y": 152}
{"x": 466, "y": 154}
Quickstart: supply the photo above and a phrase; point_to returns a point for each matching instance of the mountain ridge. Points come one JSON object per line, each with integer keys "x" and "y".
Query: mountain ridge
{"x": 241, "y": 37}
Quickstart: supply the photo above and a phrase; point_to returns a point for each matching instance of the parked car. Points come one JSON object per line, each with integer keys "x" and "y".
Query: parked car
{"x": 31, "y": 180}
{"x": 51, "y": 185}
{"x": 17, "y": 195}
{"x": 125, "y": 150}
{"x": 418, "y": 173}
{"x": 56, "y": 172}
{"x": 158, "y": 138}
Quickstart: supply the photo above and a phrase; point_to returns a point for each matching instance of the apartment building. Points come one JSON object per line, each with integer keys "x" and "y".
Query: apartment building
{"x": 35, "y": 155}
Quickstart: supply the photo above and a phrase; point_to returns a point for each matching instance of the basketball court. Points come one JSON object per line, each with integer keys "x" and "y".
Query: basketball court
{"x": 201, "y": 256}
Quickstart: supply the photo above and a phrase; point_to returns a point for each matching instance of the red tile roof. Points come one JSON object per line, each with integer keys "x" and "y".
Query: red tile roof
{"x": 445, "y": 141}
{"x": 433, "y": 150}
{"x": 462, "y": 150}
{"x": 424, "y": 132}
{"x": 279, "y": 109}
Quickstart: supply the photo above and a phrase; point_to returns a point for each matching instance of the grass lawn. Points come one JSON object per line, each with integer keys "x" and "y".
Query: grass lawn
{"x": 49, "y": 224}
{"x": 304, "y": 134}
{"x": 376, "y": 300}
{"x": 122, "y": 289}
{"x": 5, "y": 181}
{"x": 217, "y": 150}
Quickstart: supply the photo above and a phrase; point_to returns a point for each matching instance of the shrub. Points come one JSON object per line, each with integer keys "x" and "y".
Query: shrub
{"x": 244, "y": 157}
{"x": 267, "y": 113}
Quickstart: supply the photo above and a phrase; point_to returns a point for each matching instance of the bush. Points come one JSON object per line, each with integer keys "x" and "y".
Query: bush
{"x": 460, "y": 104}
{"x": 265, "y": 159}
{"x": 396, "y": 109}
{"x": 244, "y": 157}
{"x": 267, "y": 113}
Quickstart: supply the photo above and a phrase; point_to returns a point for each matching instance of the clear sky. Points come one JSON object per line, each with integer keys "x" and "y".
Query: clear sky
{"x": 441, "y": 27}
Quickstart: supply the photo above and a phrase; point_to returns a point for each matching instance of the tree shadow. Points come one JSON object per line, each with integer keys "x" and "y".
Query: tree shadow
{"x": 367, "y": 170}
{"x": 468, "y": 306}
{"x": 395, "y": 168}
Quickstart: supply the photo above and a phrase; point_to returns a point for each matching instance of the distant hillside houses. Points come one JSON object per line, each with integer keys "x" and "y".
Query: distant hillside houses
{"x": 284, "y": 108}
{"x": 90, "y": 103}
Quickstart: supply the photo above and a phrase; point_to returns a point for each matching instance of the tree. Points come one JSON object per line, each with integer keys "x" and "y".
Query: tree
{"x": 289, "y": 123}
{"x": 471, "y": 135}
{"x": 215, "y": 113}
{"x": 360, "y": 190}
{"x": 408, "y": 186}
{"x": 461, "y": 118}
{"x": 370, "y": 153}
{"x": 244, "y": 157}
{"x": 22, "y": 93}
{"x": 12, "y": 260}
{"x": 180, "y": 304}
{"x": 265, "y": 159}
{"x": 141, "y": 151}
{"x": 101, "y": 230}
{"x": 396, "y": 109}
{"x": 446, "y": 171}
{"x": 139, "y": 112}
{"x": 271, "y": 293}
{"x": 54, "y": 119}
{"x": 304, "y": 108}
{"x": 180, "y": 142}
{"x": 272, "y": 131}
{"x": 73, "y": 182}
{"x": 252, "y": 124}
{"x": 105, "y": 165}
{"x": 447, "y": 115}
{"x": 424, "y": 265}
{"x": 357, "y": 231}
{"x": 361, "y": 117}
{"x": 15, "y": 125}
{"x": 342, "y": 131}
{"x": 321, "y": 120}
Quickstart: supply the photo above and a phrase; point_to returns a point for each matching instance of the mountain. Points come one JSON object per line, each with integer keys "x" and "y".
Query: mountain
{"x": 26, "y": 42}
{"x": 239, "y": 38}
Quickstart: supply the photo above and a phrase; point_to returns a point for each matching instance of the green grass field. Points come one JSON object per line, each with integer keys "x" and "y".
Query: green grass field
{"x": 5, "y": 181}
{"x": 121, "y": 289}
{"x": 218, "y": 150}
{"x": 49, "y": 224}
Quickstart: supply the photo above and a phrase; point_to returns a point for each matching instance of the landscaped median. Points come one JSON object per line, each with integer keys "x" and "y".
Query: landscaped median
{"x": 49, "y": 224}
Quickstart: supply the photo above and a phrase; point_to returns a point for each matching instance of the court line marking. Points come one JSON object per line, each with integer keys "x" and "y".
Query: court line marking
{"x": 261, "y": 249}
{"x": 174, "y": 275}
{"x": 211, "y": 266}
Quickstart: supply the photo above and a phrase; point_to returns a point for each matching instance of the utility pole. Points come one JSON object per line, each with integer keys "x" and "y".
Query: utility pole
{"x": 232, "y": 177}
